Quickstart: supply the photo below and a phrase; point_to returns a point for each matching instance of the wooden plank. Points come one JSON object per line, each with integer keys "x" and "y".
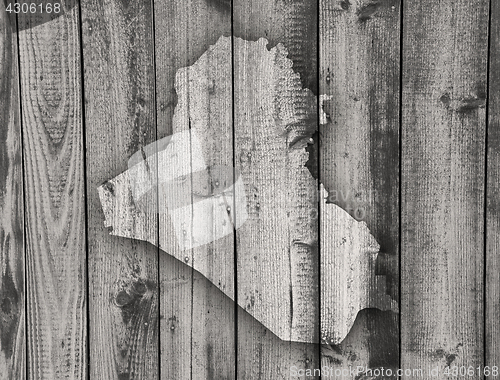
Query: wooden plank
{"x": 55, "y": 195}
{"x": 118, "y": 55}
{"x": 12, "y": 305}
{"x": 492, "y": 328}
{"x": 197, "y": 331}
{"x": 277, "y": 247}
{"x": 443, "y": 164}
{"x": 359, "y": 160}
{"x": 183, "y": 32}
{"x": 280, "y": 21}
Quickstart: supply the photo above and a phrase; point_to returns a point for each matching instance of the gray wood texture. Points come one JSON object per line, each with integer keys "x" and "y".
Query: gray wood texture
{"x": 118, "y": 57}
{"x": 51, "y": 104}
{"x": 104, "y": 80}
{"x": 260, "y": 155}
{"x": 200, "y": 204}
{"x": 443, "y": 165}
{"x": 492, "y": 264}
{"x": 359, "y": 161}
{"x": 12, "y": 273}
{"x": 277, "y": 244}
{"x": 197, "y": 326}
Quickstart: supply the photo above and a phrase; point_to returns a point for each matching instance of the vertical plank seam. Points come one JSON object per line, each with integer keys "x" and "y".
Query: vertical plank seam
{"x": 85, "y": 190}
{"x": 21, "y": 125}
{"x": 155, "y": 123}
{"x": 400, "y": 174}
{"x": 235, "y": 242}
{"x": 485, "y": 200}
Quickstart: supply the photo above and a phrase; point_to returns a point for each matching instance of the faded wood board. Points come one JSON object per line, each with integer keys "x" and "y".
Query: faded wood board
{"x": 143, "y": 306}
{"x": 294, "y": 24}
{"x": 443, "y": 137}
{"x": 205, "y": 108}
{"x": 12, "y": 296}
{"x": 270, "y": 152}
{"x": 492, "y": 297}
{"x": 359, "y": 163}
{"x": 55, "y": 195}
{"x": 197, "y": 328}
{"x": 118, "y": 58}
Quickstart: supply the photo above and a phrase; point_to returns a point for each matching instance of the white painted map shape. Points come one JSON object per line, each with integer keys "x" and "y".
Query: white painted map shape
{"x": 184, "y": 187}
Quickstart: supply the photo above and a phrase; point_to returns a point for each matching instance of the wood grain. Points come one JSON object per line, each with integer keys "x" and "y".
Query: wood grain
{"x": 443, "y": 164}
{"x": 55, "y": 196}
{"x": 184, "y": 30}
{"x": 294, "y": 24}
{"x": 205, "y": 91}
{"x": 359, "y": 78}
{"x": 492, "y": 264}
{"x": 118, "y": 55}
{"x": 278, "y": 244}
{"x": 12, "y": 295}
{"x": 205, "y": 109}
{"x": 197, "y": 332}
{"x": 155, "y": 317}
{"x": 359, "y": 160}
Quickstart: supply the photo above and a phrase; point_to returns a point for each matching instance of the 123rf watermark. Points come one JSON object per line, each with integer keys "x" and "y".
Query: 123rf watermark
{"x": 360, "y": 371}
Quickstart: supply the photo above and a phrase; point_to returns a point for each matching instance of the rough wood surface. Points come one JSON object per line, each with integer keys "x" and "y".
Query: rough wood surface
{"x": 197, "y": 331}
{"x": 12, "y": 305}
{"x": 294, "y": 25}
{"x": 359, "y": 163}
{"x": 200, "y": 204}
{"x": 202, "y": 210}
{"x": 277, "y": 247}
{"x": 348, "y": 280}
{"x": 492, "y": 264}
{"x": 120, "y": 119}
{"x": 55, "y": 196}
{"x": 443, "y": 136}
{"x": 172, "y": 316}
{"x": 205, "y": 107}
{"x": 359, "y": 81}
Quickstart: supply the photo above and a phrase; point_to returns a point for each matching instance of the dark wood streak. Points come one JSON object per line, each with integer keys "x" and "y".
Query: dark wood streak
{"x": 363, "y": 81}
{"x": 445, "y": 52}
{"x": 201, "y": 342}
{"x": 384, "y": 104}
{"x": 359, "y": 149}
{"x": 371, "y": 343}
{"x": 277, "y": 21}
{"x": 138, "y": 302}
{"x": 223, "y": 6}
{"x": 12, "y": 305}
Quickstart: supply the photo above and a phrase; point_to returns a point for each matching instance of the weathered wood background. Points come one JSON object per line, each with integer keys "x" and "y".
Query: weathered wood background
{"x": 412, "y": 98}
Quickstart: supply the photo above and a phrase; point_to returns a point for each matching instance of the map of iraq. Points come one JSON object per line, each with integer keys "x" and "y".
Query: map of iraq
{"x": 230, "y": 189}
